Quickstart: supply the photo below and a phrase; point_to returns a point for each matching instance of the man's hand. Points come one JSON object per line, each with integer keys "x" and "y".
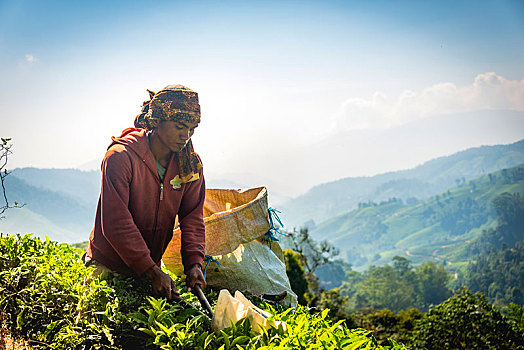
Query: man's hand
{"x": 195, "y": 276}
{"x": 163, "y": 285}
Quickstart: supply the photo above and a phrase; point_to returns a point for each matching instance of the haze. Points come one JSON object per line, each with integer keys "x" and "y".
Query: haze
{"x": 293, "y": 94}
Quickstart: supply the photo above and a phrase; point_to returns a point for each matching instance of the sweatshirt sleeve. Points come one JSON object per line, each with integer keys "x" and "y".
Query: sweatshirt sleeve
{"x": 118, "y": 226}
{"x": 191, "y": 215}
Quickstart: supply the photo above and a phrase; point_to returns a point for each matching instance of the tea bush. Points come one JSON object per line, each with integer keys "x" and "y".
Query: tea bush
{"x": 48, "y": 295}
{"x": 466, "y": 321}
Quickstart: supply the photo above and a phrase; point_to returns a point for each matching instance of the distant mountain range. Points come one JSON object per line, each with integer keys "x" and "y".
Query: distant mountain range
{"x": 334, "y": 198}
{"x": 439, "y": 228}
{"x": 62, "y": 202}
{"x": 289, "y": 169}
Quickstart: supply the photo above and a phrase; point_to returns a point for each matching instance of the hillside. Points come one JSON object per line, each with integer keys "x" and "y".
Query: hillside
{"x": 61, "y": 202}
{"x": 62, "y": 215}
{"x": 84, "y": 186}
{"x": 325, "y": 201}
{"x": 438, "y": 228}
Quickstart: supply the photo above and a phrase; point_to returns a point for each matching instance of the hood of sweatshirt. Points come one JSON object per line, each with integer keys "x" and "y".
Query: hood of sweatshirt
{"x": 133, "y": 138}
{"x": 136, "y": 140}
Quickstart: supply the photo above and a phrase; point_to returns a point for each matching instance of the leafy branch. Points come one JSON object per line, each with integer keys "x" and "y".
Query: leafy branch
{"x": 313, "y": 254}
{"x": 5, "y": 151}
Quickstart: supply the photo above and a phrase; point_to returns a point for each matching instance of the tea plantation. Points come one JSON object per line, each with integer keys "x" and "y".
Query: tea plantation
{"x": 47, "y": 296}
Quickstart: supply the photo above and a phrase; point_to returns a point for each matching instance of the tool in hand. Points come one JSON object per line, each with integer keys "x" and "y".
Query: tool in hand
{"x": 197, "y": 290}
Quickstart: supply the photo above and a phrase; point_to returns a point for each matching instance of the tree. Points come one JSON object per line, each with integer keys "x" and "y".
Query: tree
{"x": 312, "y": 255}
{"x": 297, "y": 276}
{"x": 5, "y": 151}
{"x": 401, "y": 265}
{"x": 499, "y": 275}
{"x": 515, "y": 313}
{"x": 398, "y": 286}
{"x": 466, "y": 321}
{"x": 432, "y": 281}
{"x": 383, "y": 288}
{"x": 337, "y": 305}
{"x": 386, "y": 324}
{"x": 332, "y": 274}
{"x": 510, "y": 213}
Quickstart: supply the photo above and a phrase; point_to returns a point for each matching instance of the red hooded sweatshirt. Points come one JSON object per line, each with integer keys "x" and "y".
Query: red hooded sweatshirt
{"x": 136, "y": 213}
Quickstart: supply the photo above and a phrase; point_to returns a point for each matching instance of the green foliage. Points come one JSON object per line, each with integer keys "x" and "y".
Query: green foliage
{"x": 5, "y": 151}
{"x": 466, "y": 321}
{"x": 337, "y": 304}
{"x": 296, "y": 275}
{"x": 332, "y": 274}
{"x": 48, "y": 295}
{"x": 171, "y": 326}
{"x": 432, "y": 283}
{"x": 329, "y": 200}
{"x": 509, "y": 208}
{"x": 398, "y": 287}
{"x": 303, "y": 330}
{"x": 443, "y": 227}
{"x": 310, "y": 255}
{"x": 515, "y": 314}
{"x": 499, "y": 275}
{"x": 382, "y": 288}
{"x": 385, "y": 324}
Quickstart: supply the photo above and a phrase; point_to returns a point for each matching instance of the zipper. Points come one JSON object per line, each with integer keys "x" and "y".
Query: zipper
{"x": 160, "y": 198}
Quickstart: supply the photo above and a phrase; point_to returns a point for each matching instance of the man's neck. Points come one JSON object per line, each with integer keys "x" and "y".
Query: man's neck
{"x": 160, "y": 151}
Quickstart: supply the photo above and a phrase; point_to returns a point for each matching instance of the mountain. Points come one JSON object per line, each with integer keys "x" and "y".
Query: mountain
{"x": 57, "y": 213}
{"x": 438, "y": 228}
{"x": 334, "y": 198}
{"x": 84, "y": 186}
{"x": 62, "y": 202}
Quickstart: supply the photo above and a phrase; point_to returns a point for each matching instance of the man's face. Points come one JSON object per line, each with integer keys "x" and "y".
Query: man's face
{"x": 175, "y": 135}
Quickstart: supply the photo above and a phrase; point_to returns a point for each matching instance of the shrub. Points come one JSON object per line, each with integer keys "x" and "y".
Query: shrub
{"x": 48, "y": 296}
{"x": 466, "y": 321}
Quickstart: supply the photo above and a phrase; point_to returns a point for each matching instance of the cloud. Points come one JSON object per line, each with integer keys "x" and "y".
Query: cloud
{"x": 30, "y": 58}
{"x": 488, "y": 91}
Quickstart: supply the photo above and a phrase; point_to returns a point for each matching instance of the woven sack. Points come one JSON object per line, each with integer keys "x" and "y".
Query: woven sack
{"x": 236, "y": 223}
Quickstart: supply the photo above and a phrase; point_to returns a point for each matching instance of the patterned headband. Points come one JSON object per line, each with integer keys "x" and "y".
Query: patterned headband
{"x": 174, "y": 102}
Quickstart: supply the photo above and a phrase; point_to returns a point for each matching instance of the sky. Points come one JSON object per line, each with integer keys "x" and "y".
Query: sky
{"x": 278, "y": 81}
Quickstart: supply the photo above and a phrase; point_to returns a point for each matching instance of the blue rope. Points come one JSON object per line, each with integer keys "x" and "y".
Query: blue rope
{"x": 270, "y": 234}
{"x": 209, "y": 260}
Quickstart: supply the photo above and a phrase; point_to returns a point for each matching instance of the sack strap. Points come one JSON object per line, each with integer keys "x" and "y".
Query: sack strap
{"x": 270, "y": 234}
{"x": 209, "y": 259}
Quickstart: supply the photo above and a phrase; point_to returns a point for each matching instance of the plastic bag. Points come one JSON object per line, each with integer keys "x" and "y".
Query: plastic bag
{"x": 254, "y": 268}
{"x": 232, "y": 309}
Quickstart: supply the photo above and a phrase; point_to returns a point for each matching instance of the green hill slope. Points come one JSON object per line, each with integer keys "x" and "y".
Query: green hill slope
{"x": 46, "y": 212}
{"x": 438, "y": 228}
{"x": 328, "y": 200}
{"x": 84, "y": 186}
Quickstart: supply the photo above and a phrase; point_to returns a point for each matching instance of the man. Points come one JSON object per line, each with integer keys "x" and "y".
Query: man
{"x": 151, "y": 174}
